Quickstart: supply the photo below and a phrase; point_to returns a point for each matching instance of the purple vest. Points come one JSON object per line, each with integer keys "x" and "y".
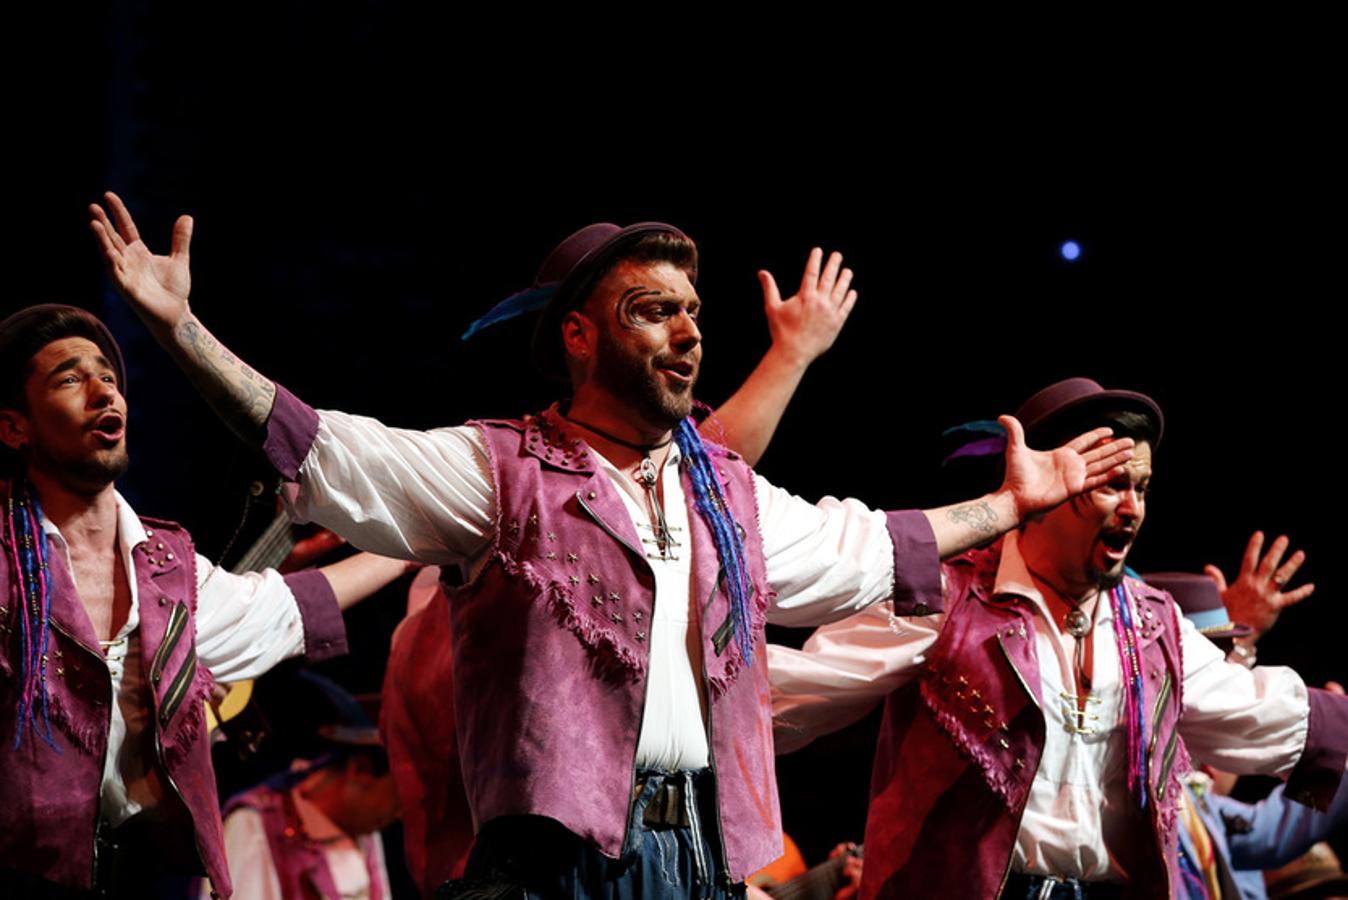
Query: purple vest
{"x": 50, "y": 806}
{"x": 301, "y": 866}
{"x": 550, "y": 650}
{"x": 958, "y": 750}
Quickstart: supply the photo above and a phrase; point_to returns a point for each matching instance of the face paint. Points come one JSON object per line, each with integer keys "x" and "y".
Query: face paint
{"x": 650, "y": 348}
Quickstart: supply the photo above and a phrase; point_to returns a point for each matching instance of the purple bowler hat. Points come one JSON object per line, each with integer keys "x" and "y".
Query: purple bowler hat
{"x": 20, "y": 331}
{"x": 1077, "y": 395}
{"x": 567, "y": 276}
{"x": 1200, "y": 602}
{"x": 1074, "y": 396}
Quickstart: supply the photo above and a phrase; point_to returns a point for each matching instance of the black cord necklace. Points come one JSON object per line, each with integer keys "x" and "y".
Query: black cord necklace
{"x": 648, "y": 476}
{"x": 640, "y": 448}
{"x": 1078, "y": 625}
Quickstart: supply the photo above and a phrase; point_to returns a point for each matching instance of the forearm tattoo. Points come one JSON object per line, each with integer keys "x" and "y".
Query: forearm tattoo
{"x": 978, "y": 516}
{"x": 241, "y": 396}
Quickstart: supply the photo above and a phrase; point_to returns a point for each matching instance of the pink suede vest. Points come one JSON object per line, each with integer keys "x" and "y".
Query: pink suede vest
{"x": 301, "y": 865}
{"x": 958, "y": 750}
{"x": 550, "y": 650}
{"x": 50, "y": 805}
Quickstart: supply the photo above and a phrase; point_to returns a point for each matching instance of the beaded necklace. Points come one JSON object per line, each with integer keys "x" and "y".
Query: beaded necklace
{"x": 1126, "y": 635}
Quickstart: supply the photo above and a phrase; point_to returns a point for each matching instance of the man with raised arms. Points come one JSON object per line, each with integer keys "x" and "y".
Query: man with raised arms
{"x": 610, "y": 741}
{"x": 112, "y": 631}
{"x": 1036, "y": 732}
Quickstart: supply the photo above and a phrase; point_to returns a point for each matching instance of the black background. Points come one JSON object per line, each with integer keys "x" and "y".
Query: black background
{"x": 366, "y": 181}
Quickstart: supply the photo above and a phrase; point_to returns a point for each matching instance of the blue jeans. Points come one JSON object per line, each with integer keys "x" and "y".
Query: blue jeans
{"x": 535, "y": 857}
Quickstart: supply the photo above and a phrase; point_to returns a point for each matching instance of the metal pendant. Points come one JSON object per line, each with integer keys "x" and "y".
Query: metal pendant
{"x": 647, "y": 473}
{"x": 1078, "y": 624}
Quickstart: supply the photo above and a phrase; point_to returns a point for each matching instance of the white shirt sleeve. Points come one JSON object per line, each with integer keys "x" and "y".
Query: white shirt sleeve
{"x": 843, "y": 671}
{"x": 423, "y": 495}
{"x": 824, "y": 560}
{"x": 246, "y": 624}
{"x": 1242, "y": 720}
{"x": 250, "y": 864}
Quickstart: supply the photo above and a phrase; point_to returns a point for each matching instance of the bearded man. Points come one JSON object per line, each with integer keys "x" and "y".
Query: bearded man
{"x": 609, "y": 675}
{"x": 113, "y": 631}
{"x": 1035, "y": 734}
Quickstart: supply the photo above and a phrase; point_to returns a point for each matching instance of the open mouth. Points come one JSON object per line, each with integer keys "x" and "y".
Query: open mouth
{"x": 1117, "y": 542}
{"x": 110, "y": 427}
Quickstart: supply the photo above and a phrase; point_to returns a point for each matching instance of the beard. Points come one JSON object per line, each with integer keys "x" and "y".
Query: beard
{"x": 633, "y": 380}
{"x": 84, "y": 472}
{"x": 1107, "y": 581}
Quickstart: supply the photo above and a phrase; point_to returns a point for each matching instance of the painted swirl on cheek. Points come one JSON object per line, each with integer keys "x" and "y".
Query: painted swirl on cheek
{"x": 627, "y": 315}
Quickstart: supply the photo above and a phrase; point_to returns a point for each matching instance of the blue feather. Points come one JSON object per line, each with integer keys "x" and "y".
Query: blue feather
{"x": 511, "y": 307}
{"x": 978, "y": 426}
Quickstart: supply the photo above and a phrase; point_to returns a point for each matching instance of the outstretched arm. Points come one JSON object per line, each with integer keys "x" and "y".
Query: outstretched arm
{"x": 1036, "y": 480}
{"x": 157, "y": 288}
{"x": 802, "y": 328}
{"x": 357, "y": 577}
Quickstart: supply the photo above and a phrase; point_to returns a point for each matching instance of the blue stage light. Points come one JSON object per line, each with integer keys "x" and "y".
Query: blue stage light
{"x": 1071, "y": 251}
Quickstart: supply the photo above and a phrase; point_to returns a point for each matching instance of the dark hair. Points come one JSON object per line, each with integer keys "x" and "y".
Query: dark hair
{"x": 18, "y": 350}
{"x": 1126, "y": 423}
{"x": 651, "y": 247}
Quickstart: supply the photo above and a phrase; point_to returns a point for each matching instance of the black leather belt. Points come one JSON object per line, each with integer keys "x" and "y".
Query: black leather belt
{"x": 1046, "y": 887}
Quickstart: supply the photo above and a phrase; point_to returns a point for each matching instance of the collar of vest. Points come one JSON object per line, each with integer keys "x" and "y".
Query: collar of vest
{"x": 161, "y": 556}
{"x": 549, "y": 438}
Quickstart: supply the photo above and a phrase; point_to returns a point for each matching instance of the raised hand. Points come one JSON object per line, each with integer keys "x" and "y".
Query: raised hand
{"x": 1037, "y": 480}
{"x": 806, "y": 324}
{"x": 156, "y": 286}
{"x": 1256, "y": 597}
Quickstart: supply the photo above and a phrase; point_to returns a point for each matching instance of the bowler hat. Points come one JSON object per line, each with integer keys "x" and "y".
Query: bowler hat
{"x": 571, "y": 271}
{"x": 17, "y": 329}
{"x": 1078, "y": 396}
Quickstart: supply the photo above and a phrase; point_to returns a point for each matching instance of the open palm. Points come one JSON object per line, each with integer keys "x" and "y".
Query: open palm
{"x": 1041, "y": 479}
{"x": 156, "y": 286}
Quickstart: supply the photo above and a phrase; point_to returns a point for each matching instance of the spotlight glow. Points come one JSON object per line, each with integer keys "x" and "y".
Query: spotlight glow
{"x": 1071, "y": 251}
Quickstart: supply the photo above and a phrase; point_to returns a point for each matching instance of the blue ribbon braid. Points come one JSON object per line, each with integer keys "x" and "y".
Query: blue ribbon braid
{"x": 32, "y": 594}
{"x": 712, "y": 506}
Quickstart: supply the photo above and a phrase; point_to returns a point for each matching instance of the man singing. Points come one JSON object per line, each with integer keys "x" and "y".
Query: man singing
{"x": 610, "y": 684}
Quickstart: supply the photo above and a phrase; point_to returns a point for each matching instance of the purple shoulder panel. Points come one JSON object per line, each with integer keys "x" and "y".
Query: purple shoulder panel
{"x": 291, "y": 429}
{"x": 1315, "y": 780}
{"x": 917, "y": 564}
{"x": 324, "y": 630}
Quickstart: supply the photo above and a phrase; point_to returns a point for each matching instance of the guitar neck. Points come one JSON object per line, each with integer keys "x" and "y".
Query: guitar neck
{"x": 818, "y": 883}
{"x": 270, "y": 549}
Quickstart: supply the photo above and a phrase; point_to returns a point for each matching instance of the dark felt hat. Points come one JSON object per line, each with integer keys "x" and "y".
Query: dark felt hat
{"x": 569, "y": 274}
{"x": 1078, "y": 396}
{"x": 17, "y": 330}
{"x": 1200, "y": 602}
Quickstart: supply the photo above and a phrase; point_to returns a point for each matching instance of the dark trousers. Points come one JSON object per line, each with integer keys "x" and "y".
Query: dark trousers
{"x": 136, "y": 859}
{"x": 1037, "y": 887}
{"x": 673, "y": 850}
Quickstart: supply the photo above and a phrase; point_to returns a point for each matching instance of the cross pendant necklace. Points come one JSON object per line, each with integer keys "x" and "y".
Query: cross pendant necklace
{"x": 1078, "y": 624}
{"x": 648, "y": 475}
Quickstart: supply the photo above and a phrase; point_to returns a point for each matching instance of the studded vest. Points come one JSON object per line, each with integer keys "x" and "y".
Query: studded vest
{"x": 959, "y": 749}
{"x": 50, "y": 809}
{"x": 301, "y": 865}
{"x": 550, "y": 650}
